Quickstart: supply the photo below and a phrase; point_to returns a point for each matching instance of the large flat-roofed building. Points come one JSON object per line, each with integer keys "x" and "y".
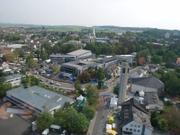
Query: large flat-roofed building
{"x": 14, "y": 80}
{"x": 37, "y": 99}
{"x": 61, "y": 58}
{"x": 81, "y": 54}
{"x": 71, "y": 56}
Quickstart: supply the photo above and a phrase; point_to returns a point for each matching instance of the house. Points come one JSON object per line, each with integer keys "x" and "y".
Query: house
{"x": 135, "y": 119}
{"x": 14, "y": 80}
{"x": 152, "y": 88}
{"x": 37, "y": 99}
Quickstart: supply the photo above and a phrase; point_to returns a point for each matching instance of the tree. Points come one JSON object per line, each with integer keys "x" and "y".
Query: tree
{"x": 55, "y": 69}
{"x": 29, "y": 81}
{"x": 88, "y": 112}
{"x": 92, "y": 95}
{"x": 116, "y": 90}
{"x": 44, "y": 121}
{"x": 33, "y": 81}
{"x": 3, "y": 88}
{"x": 2, "y": 78}
{"x": 30, "y": 62}
{"x": 100, "y": 74}
{"x": 10, "y": 57}
{"x": 156, "y": 59}
{"x": 71, "y": 120}
{"x": 84, "y": 77}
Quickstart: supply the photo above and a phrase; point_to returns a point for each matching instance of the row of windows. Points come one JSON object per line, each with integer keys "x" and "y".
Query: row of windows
{"x": 135, "y": 125}
{"x": 134, "y": 130}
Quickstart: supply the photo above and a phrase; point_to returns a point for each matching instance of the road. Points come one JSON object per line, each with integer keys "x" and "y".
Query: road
{"x": 103, "y": 110}
{"x": 55, "y": 84}
{"x": 100, "y": 121}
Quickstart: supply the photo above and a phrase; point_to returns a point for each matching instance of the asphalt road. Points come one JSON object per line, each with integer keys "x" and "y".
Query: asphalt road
{"x": 100, "y": 122}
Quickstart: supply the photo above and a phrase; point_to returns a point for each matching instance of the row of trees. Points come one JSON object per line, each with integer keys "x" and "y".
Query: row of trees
{"x": 171, "y": 80}
{"x": 3, "y": 88}
{"x": 68, "y": 118}
{"x": 167, "y": 120}
{"x": 91, "y": 74}
{"x": 30, "y": 81}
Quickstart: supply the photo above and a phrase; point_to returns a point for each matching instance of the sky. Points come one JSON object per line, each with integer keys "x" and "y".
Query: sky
{"x": 126, "y": 13}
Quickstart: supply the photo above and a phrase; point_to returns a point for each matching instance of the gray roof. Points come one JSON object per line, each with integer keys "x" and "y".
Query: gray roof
{"x": 14, "y": 76}
{"x": 79, "y": 52}
{"x": 39, "y": 98}
{"x": 58, "y": 55}
{"x": 151, "y": 82}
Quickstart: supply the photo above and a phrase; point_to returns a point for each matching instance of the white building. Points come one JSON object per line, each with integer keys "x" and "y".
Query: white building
{"x": 81, "y": 54}
{"x": 14, "y": 80}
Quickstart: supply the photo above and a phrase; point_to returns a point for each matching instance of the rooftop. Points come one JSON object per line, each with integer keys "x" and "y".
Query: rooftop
{"x": 79, "y": 52}
{"x": 14, "y": 76}
{"x": 151, "y": 82}
{"x": 39, "y": 98}
{"x": 59, "y": 55}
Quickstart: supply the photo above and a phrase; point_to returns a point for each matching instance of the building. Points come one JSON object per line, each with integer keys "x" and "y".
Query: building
{"x": 14, "y": 80}
{"x": 71, "y": 70}
{"x": 147, "y": 84}
{"x": 130, "y": 58}
{"x": 37, "y": 99}
{"x": 61, "y": 58}
{"x": 135, "y": 119}
{"x": 72, "y": 56}
{"x": 81, "y": 54}
{"x": 152, "y": 88}
{"x": 109, "y": 64}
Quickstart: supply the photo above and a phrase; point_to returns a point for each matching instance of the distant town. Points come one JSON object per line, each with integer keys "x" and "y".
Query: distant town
{"x": 101, "y": 80}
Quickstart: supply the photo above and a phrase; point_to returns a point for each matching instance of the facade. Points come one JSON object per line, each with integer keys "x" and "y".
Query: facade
{"x": 135, "y": 119}
{"x": 130, "y": 58}
{"x": 37, "y": 99}
{"x": 75, "y": 68}
{"x": 61, "y": 58}
{"x": 14, "y": 80}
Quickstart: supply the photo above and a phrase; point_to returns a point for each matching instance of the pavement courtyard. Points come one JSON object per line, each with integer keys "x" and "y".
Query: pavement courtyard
{"x": 14, "y": 126}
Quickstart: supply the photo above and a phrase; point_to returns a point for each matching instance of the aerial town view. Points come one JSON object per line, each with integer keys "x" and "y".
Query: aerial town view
{"x": 89, "y": 67}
